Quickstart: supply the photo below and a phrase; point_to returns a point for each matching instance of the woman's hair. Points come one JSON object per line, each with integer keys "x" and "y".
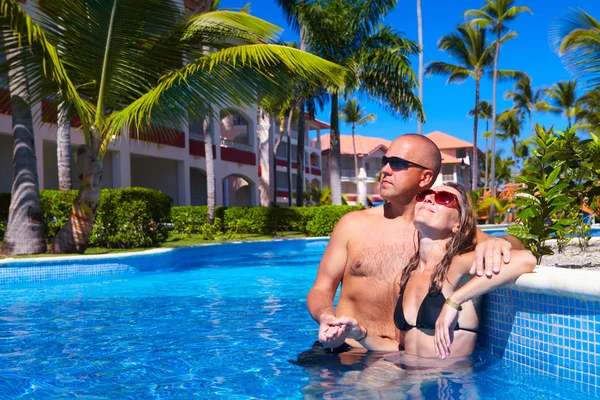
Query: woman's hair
{"x": 462, "y": 242}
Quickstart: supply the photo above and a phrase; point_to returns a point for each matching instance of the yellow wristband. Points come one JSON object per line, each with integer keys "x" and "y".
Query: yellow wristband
{"x": 453, "y": 304}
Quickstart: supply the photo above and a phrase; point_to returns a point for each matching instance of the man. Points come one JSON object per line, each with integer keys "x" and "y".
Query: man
{"x": 368, "y": 248}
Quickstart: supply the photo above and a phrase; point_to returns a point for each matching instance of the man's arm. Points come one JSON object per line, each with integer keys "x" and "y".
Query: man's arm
{"x": 331, "y": 270}
{"x": 491, "y": 252}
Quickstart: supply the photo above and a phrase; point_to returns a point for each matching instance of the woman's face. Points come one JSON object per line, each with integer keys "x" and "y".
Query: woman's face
{"x": 441, "y": 216}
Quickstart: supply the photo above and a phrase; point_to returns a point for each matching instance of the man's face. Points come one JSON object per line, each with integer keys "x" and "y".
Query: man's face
{"x": 403, "y": 173}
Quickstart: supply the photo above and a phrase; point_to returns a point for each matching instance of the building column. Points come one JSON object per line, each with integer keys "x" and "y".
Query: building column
{"x": 184, "y": 197}
{"x": 121, "y": 160}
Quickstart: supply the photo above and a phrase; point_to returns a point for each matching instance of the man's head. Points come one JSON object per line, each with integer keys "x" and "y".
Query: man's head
{"x": 401, "y": 181}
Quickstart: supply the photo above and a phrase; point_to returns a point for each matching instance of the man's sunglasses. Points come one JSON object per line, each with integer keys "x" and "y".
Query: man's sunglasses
{"x": 442, "y": 197}
{"x": 398, "y": 164}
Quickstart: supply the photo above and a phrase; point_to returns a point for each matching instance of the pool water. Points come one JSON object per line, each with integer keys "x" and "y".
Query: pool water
{"x": 224, "y": 325}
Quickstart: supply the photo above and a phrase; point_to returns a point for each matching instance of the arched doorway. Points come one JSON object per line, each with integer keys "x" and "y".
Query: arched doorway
{"x": 238, "y": 191}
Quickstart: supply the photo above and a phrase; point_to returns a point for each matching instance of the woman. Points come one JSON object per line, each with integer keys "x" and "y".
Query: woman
{"x": 438, "y": 300}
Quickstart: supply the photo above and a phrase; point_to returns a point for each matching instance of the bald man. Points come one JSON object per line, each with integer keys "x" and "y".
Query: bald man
{"x": 368, "y": 248}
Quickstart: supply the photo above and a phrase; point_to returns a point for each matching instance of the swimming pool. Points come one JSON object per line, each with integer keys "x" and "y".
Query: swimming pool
{"x": 210, "y": 322}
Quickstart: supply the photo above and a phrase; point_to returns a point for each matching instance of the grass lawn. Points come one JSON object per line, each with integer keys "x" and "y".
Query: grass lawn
{"x": 176, "y": 240}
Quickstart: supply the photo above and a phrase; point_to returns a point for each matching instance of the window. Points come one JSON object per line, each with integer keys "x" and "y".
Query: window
{"x": 461, "y": 153}
{"x": 238, "y": 120}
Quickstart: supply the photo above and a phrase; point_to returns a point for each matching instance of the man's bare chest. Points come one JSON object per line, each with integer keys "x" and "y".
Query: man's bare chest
{"x": 380, "y": 257}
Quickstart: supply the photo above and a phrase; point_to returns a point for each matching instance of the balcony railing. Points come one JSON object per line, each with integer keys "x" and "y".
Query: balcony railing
{"x": 197, "y": 136}
{"x": 314, "y": 144}
{"x": 236, "y": 145}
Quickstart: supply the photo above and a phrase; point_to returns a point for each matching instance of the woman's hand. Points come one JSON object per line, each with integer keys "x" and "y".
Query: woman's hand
{"x": 353, "y": 329}
{"x": 444, "y": 331}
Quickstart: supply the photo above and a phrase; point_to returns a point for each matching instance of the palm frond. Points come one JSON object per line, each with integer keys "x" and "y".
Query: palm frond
{"x": 457, "y": 73}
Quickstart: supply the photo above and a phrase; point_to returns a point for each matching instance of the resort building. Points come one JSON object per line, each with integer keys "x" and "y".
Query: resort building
{"x": 456, "y": 162}
{"x": 243, "y": 143}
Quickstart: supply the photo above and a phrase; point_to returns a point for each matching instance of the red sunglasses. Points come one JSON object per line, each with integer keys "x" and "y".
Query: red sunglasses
{"x": 442, "y": 197}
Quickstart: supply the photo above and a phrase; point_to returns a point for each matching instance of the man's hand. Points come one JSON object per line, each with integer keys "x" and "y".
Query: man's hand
{"x": 332, "y": 332}
{"x": 489, "y": 255}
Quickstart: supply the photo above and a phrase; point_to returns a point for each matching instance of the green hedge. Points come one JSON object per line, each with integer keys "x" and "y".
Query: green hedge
{"x": 314, "y": 221}
{"x": 125, "y": 218}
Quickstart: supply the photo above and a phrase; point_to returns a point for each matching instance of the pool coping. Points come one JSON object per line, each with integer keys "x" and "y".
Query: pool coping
{"x": 580, "y": 284}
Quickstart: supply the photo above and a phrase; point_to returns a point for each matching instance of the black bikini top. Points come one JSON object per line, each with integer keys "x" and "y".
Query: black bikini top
{"x": 428, "y": 313}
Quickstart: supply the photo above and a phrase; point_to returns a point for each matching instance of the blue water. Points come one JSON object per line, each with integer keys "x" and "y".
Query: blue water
{"x": 221, "y": 326}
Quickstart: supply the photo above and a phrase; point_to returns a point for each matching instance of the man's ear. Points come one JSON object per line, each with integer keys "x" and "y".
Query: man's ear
{"x": 426, "y": 178}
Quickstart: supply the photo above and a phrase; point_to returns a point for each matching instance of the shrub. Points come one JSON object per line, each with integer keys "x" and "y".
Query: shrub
{"x": 191, "y": 219}
{"x": 249, "y": 220}
{"x": 4, "y": 207}
{"x": 325, "y": 217}
{"x": 209, "y": 231}
{"x": 131, "y": 217}
{"x": 56, "y": 210}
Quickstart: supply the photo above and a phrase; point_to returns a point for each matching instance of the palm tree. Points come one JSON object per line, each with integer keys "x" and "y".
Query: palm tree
{"x": 350, "y": 33}
{"x": 63, "y": 148}
{"x": 485, "y": 112}
{"x": 525, "y": 99}
{"x": 469, "y": 47}
{"x": 146, "y": 68}
{"x": 588, "y": 110}
{"x": 25, "y": 229}
{"x": 352, "y": 114}
{"x": 495, "y": 14}
{"x": 576, "y": 39}
{"x": 510, "y": 123}
{"x": 421, "y": 60}
{"x": 563, "y": 99}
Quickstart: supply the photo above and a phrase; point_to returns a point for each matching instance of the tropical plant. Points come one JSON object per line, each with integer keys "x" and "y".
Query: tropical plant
{"x": 353, "y": 114}
{"x": 503, "y": 167}
{"x": 502, "y": 207}
{"x": 421, "y": 60}
{"x": 510, "y": 123}
{"x": 469, "y": 47}
{"x": 563, "y": 99}
{"x": 63, "y": 148}
{"x": 577, "y": 39}
{"x": 525, "y": 99}
{"x": 495, "y": 14}
{"x": 146, "y": 69}
{"x": 350, "y": 33}
{"x": 587, "y": 112}
{"x": 485, "y": 112}
{"x": 563, "y": 174}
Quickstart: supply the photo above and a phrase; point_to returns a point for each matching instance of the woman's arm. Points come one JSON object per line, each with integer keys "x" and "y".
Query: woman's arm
{"x": 522, "y": 261}
{"x": 369, "y": 342}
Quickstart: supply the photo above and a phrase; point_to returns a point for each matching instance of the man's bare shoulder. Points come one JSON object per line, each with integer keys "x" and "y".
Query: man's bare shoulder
{"x": 361, "y": 216}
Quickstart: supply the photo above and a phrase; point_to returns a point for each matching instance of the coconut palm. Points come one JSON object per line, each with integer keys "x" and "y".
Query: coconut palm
{"x": 525, "y": 99}
{"x": 350, "y": 33}
{"x": 485, "y": 112}
{"x": 495, "y": 14}
{"x": 146, "y": 69}
{"x": 352, "y": 114}
{"x": 25, "y": 229}
{"x": 563, "y": 99}
{"x": 588, "y": 110}
{"x": 510, "y": 123}
{"x": 468, "y": 45}
{"x": 577, "y": 39}
{"x": 421, "y": 60}
{"x": 63, "y": 148}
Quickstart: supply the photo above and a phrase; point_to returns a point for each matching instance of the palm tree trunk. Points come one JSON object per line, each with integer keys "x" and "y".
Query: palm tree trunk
{"x": 289, "y": 154}
{"x": 514, "y": 143}
{"x": 300, "y": 157}
{"x": 355, "y": 156}
{"x": 474, "y": 161}
{"x": 421, "y": 62}
{"x": 25, "y": 230}
{"x": 277, "y": 143}
{"x": 210, "y": 173}
{"x": 531, "y": 122}
{"x": 494, "y": 84}
{"x": 487, "y": 128}
{"x": 63, "y": 148}
{"x": 74, "y": 236}
{"x": 335, "y": 161}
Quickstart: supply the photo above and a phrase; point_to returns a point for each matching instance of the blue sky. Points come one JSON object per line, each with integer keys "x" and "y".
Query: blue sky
{"x": 446, "y": 106}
